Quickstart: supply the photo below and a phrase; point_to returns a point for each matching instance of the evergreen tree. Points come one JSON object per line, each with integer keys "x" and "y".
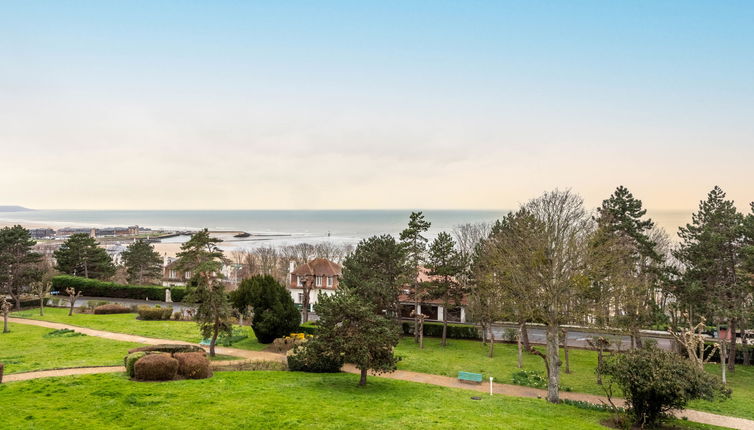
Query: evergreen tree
{"x": 201, "y": 256}
{"x": 711, "y": 251}
{"x": 143, "y": 263}
{"x": 375, "y": 271}
{"x": 80, "y": 255}
{"x": 275, "y": 314}
{"x": 623, "y": 214}
{"x": 350, "y": 326}
{"x": 415, "y": 246}
{"x": 17, "y": 262}
{"x": 445, "y": 266}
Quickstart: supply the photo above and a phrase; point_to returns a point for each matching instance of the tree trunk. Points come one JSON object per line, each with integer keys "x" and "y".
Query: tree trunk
{"x": 5, "y": 322}
{"x": 417, "y": 328}
{"x": 636, "y": 335}
{"x": 732, "y": 354}
{"x": 599, "y": 366}
{"x": 565, "y": 351}
{"x": 525, "y": 335}
{"x": 73, "y": 303}
{"x": 305, "y": 304}
{"x": 491, "y": 339}
{"x": 212, "y": 342}
{"x": 723, "y": 365}
{"x": 444, "y": 326}
{"x": 553, "y": 364}
{"x": 745, "y": 345}
{"x": 363, "y": 379}
{"x": 483, "y": 328}
{"x": 41, "y": 306}
{"x": 421, "y": 333}
{"x": 520, "y": 349}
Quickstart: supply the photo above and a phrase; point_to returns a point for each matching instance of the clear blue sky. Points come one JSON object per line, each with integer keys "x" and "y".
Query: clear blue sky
{"x": 373, "y": 104}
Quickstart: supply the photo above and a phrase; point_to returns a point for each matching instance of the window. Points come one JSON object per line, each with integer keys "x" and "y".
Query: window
{"x": 329, "y": 281}
{"x": 318, "y": 281}
{"x": 187, "y": 275}
{"x": 172, "y": 274}
{"x": 300, "y": 281}
{"x": 301, "y": 297}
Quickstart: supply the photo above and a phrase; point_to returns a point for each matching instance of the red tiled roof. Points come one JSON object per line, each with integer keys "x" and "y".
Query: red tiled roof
{"x": 318, "y": 267}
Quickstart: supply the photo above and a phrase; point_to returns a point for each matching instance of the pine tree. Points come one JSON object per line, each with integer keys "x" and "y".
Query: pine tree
{"x": 415, "y": 246}
{"x": 17, "y": 262}
{"x": 142, "y": 262}
{"x": 375, "y": 271}
{"x": 80, "y": 255}
{"x": 445, "y": 265}
{"x": 275, "y": 314}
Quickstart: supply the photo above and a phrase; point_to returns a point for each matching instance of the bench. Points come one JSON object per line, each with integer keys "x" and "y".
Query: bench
{"x": 470, "y": 377}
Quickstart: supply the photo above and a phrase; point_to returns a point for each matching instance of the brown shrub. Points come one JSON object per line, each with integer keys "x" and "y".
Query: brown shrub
{"x": 156, "y": 367}
{"x": 154, "y": 313}
{"x": 111, "y": 308}
{"x": 193, "y": 365}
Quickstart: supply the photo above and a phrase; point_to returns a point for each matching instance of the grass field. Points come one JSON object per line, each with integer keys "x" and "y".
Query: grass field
{"x": 28, "y": 348}
{"x": 471, "y": 356}
{"x": 287, "y": 400}
{"x": 127, "y": 323}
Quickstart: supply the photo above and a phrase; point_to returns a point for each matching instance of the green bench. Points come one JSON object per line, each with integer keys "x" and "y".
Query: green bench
{"x": 470, "y": 377}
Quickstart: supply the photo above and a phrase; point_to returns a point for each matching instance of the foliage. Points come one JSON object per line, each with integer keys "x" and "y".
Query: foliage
{"x": 64, "y": 332}
{"x": 315, "y": 357}
{"x": 149, "y": 313}
{"x": 96, "y": 288}
{"x": 80, "y": 255}
{"x": 17, "y": 262}
{"x": 193, "y": 365}
{"x": 111, "y": 308}
{"x": 308, "y": 327}
{"x": 156, "y": 367}
{"x": 375, "y": 271}
{"x": 415, "y": 246}
{"x": 445, "y": 267}
{"x": 350, "y": 327}
{"x": 534, "y": 379}
{"x": 130, "y": 360}
{"x": 275, "y": 314}
{"x": 655, "y": 382}
{"x": 142, "y": 262}
{"x": 455, "y": 331}
{"x": 168, "y": 348}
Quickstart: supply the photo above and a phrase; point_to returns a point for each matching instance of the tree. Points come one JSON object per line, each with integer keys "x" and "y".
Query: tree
{"x": 73, "y": 295}
{"x": 375, "y": 271}
{"x": 203, "y": 258}
{"x": 415, "y": 245}
{"x": 445, "y": 266}
{"x": 143, "y": 263}
{"x": 17, "y": 262}
{"x": 41, "y": 289}
{"x": 275, "y": 314}
{"x": 560, "y": 247}
{"x": 711, "y": 254}
{"x": 655, "y": 382}
{"x": 5, "y": 308}
{"x": 80, "y": 255}
{"x": 350, "y": 326}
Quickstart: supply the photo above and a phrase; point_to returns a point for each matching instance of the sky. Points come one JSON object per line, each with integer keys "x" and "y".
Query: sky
{"x": 384, "y": 104}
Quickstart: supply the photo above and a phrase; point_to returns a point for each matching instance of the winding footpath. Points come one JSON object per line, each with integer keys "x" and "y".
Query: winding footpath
{"x": 403, "y": 375}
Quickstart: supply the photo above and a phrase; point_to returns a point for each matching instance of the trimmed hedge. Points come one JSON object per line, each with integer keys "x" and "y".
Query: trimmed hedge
{"x": 111, "y": 308}
{"x": 156, "y": 367}
{"x": 131, "y": 360}
{"x": 455, "y": 331}
{"x": 308, "y": 328}
{"x": 149, "y": 313}
{"x": 193, "y": 365}
{"x": 96, "y": 288}
{"x": 169, "y": 348}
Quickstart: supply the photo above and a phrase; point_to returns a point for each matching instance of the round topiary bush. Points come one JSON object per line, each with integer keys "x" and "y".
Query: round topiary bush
{"x": 111, "y": 308}
{"x": 156, "y": 367}
{"x": 193, "y": 365}
{"x": 131, "y": 360}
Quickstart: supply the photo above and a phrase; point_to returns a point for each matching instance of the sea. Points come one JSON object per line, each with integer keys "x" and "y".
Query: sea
{"x": 283, "y": 227}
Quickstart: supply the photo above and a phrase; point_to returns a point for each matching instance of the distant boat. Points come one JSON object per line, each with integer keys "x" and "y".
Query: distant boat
{"x": 244, "y": 234}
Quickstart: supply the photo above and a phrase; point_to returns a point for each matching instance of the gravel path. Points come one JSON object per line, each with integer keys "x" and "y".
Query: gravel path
{"x": 404, "y": 375}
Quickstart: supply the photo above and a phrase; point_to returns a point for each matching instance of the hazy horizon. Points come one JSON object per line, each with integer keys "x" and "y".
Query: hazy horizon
{"x": 370, "y": 105}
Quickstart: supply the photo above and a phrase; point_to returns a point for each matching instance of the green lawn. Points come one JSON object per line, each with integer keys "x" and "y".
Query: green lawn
{"x": 471, "y": 356}
{"x": 287, "y": 400}
{"x": 186, "y": 331}
{"x": 28, "y": 348}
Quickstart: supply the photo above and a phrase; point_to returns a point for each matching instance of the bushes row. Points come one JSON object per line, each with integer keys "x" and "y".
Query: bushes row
{"x": 96, "y": 288}
{"x": 149, "y": 313}
{"x": 167, "y": 362}
{"x": 455, "y": 331}
{"x": 111, "y": 308}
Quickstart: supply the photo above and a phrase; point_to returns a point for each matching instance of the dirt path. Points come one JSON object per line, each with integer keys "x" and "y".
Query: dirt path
{"x": 404, "y": 375}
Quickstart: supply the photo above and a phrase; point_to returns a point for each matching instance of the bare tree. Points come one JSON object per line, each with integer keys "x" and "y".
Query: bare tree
{"x": 73, "y": 295}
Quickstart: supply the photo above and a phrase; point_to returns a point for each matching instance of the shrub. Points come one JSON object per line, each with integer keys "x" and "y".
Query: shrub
{"x": 111, "y": 308}
{"x": 455, "y": 331}
{"x": 156, "y": 367}
{"x": 96, "y": 288}
{"x": 193, "y": 365}
{"x": 169, "y": 348}
{"x": 177, "y": 316}
{"x": 92, "y": 304}
{"x": 130, "y": 360}
{"x": 530, "y": 378}
{"x": 313, "y": 356}
{"x": 149, "y": 313}
{"x": 275, "y": 315}
{"x": 308, "y": 328}
{"x": 249, "y": 365}
{"x": 656, "y": 382}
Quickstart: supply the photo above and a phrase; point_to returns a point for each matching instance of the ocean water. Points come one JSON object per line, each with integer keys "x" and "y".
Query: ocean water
{"x": 284, "y": 226}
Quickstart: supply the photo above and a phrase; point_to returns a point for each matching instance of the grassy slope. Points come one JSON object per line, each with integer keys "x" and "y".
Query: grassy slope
{"x": 471, "y": 356}
{"x": 127, "y": 323}
{"x": 26, "y": 348}
{"x": 272, "y": 400}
